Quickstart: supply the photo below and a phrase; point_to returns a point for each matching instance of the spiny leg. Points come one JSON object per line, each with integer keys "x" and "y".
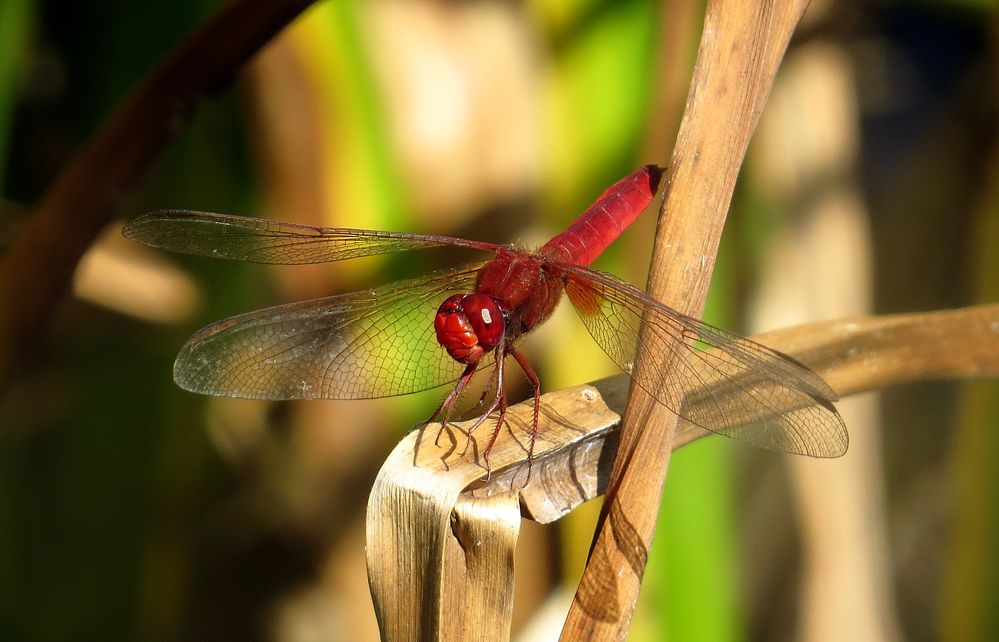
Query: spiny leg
{"x": 447, "y": 406}
{"x": 536, "y": 383}
{"x": 498, "y": 400}
{"x": 496, "y": 431}
{"x": 490, "y": 386}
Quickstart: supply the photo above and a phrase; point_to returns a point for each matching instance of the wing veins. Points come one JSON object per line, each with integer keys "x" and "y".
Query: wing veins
{"x": 740, "y": 385}
{"x": 289, "y": 330}
{"x": 266, "y": 241}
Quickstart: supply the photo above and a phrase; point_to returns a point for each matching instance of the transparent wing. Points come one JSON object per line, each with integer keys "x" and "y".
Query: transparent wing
{"x": 258, "y": 240}
{"x": 729, "y": 384}
{"x": 362, "y": 345}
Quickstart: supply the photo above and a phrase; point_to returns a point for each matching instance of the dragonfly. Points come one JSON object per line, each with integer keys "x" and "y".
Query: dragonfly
{"x": 444, "y": 327}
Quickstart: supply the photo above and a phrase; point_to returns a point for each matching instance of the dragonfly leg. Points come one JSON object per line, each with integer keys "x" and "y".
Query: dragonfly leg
{"x": 447, "y": 406}
{"x": 501, "y": 398}
{"x": 485, "y": 393}
{"x": 498, "y": 399}
{"x": 536, "y": 383}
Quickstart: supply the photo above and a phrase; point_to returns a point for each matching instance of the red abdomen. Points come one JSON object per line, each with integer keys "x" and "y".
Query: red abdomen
{"x": 604, "y": 221}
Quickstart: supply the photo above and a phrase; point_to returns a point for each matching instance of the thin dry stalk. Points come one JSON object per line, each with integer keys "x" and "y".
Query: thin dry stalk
{"x": 741, "y": 48}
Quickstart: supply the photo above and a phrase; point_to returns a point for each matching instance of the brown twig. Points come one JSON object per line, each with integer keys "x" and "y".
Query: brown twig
{"x": 741, "y": 47}
{"x": 36, "y": 271}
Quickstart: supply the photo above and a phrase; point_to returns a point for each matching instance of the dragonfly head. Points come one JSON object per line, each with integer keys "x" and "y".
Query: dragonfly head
{"x": 469, "y": 326}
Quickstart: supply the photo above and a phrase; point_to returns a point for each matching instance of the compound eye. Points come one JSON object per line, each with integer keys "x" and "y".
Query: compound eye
{"x": 486, "y": 319}
{"x": 451, "y": 304}
{"x": 455, "y": 333}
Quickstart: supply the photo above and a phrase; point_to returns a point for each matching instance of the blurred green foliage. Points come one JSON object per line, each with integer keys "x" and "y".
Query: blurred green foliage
{"x": 15, "y": 27}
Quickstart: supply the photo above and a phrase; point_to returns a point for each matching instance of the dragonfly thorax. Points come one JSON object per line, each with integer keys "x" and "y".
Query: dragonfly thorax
{"x": 469, "y": 326}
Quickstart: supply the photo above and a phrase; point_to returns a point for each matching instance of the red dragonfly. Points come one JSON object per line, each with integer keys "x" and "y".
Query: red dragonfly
{"x": 441, "y": 328}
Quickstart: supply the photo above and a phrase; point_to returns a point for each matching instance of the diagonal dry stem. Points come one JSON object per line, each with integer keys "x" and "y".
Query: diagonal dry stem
{"x": 741, "y": 47}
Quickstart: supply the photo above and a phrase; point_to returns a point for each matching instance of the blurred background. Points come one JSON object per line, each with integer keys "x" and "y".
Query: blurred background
{"x": 131, "y": 510}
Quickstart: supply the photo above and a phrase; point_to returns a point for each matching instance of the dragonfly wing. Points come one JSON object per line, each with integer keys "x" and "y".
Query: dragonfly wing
{"x": 362, "y": 345}
{"x": 258, "y": 240}
{"x": 728, "y": 384}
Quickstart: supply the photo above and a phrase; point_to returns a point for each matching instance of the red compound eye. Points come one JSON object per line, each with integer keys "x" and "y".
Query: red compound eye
{"x": 468, "y": 326}
{"x": 486, "y": 319}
